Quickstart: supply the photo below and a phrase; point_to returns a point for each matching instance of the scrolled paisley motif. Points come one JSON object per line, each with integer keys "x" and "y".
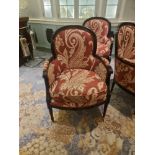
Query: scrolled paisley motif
{"x": 76, "y": 44}
{"x": 126, "y": 42}
{"x": 125, "y": 75}
{"x": 73, "y": 47}
{"x": 77, "y": 88}
{"x": 100, "y": 28}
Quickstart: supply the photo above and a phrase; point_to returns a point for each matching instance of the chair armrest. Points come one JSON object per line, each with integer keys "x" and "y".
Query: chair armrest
{"x": 101, "y": 71}
{"x": 108, "y": 66}
{"x": 45, "y": 66}
{"x": 99, "y": 66}
{"x": 126, "y": 61}
{"x": 51, "y": 69}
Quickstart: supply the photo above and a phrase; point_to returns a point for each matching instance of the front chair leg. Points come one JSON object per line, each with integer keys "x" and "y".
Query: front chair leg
{"x": 106, "y": 106}
{"x": 51, "y": 113}
{"x": 104, "y": 110}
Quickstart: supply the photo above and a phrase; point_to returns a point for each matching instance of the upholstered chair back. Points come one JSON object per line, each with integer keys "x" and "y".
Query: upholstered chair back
{"x": 74, "y": 45}
{"x": 126, "y": 41}
{"x": 99, "y": 26}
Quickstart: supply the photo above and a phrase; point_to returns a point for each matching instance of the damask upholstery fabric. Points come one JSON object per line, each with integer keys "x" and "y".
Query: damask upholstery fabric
{"x": 76, "y": 78}
{"x": 126, "y": 43}
{"x": 103, "y": 49}
{"x": 77, "y": 88}
{"x": 56, "y": 67}
{"x": 101, "y": 28}
{"x": 73, "y": 47}
{"x": 125, "y": 75}
{"x": 125, "y": 57}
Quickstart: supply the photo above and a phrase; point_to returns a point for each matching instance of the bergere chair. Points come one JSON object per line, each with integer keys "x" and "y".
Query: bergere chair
{"x": 124, "y": 74}
{"x": 75, "y": 78}
{"x": 102, "y": 28}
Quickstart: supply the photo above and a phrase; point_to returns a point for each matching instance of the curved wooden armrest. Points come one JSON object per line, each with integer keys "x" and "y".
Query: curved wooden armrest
{"x": 126, "y": 62}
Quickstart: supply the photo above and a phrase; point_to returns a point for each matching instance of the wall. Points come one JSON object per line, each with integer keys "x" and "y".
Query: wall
{"x": 129, "y": 13}
{"x": 40, "y": 30}
{"x": 39, "y": 24}
{"x": 30, "y": 8}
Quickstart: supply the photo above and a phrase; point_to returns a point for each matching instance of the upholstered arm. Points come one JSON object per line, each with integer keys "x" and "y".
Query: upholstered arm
{"x": 103, "y": 69}
{"x": 99, "y": 66}
{"x": 104, "y": 46}
{"x": 51, "y": 69}
{"x": 125, "y": 74}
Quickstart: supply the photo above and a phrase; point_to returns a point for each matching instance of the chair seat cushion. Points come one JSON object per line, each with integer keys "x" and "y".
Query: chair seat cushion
{"x": 77, "y": 88}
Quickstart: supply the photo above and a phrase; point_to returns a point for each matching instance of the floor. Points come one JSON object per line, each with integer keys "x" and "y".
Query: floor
{"x": 73, "y": 133}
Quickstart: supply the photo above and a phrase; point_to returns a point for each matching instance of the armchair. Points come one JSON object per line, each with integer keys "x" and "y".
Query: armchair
{"x": 124, "y": 74}
{"x": 75, "y": 78}
{"x": 102, "y": 28}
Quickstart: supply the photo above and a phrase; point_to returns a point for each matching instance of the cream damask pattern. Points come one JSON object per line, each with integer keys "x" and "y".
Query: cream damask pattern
{"x": 76, "y": 78}
{"x": 125, "y": 60}
{"x": 125, "y": 75}
{"x": 101, "y": 28}
{"x": 55, "y": 68}
{"x": 77, "y": 88}
{"x": 73, "y": 48}
{"x": 126, "y": 43}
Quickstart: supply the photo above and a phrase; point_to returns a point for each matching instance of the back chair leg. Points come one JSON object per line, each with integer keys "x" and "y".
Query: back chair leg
{"x": 113, "y": 84}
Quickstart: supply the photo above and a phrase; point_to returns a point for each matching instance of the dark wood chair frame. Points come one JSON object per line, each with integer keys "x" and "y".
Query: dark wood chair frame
{"x": 45, "y": 76}
{"x": 122, "y": 60}
{"x": 110, "y": 33}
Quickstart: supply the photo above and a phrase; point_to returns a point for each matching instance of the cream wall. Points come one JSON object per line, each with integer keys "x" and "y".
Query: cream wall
{"x": 129, "y": 10}
{"x": 33, "y": 8}
{"x": 39, "y": 24}
{"x": 126, "y": 9}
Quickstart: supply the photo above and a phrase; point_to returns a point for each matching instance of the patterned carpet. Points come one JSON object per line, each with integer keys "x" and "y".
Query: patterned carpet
{"x": 74, "y": 132}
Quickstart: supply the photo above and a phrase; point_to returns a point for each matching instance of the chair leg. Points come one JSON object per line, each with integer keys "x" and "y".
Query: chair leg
{"x": 106, "y": 105}
{"x": 51, "y": 113}
{"x": 105, "y": 110}
{"x": 113, "y": 84}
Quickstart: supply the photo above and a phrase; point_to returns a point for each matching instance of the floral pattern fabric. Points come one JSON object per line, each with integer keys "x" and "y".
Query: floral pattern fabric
{"x": 126, "y": 43}
{"x": 103, "y": 49}
{"x": 73, "y": 47}
{"x": 77, "y": 88}
{"x": 76, "y": 78}
{"x": 101, "y": 28}
{"x": 55, "y": 68}
{"x": 125, "y": 75}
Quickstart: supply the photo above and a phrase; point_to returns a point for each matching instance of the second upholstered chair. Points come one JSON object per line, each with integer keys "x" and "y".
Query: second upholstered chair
{"x": 75, "y": 77}
{"x": 124, "y": 74}
{"x": 102, "y": 28}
